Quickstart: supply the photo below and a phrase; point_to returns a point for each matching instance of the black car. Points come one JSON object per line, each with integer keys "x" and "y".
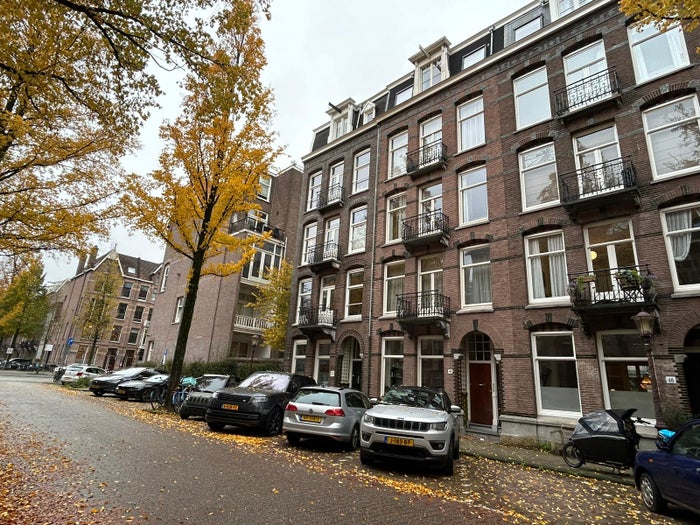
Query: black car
{"x": 107, "y": 384}
{"x": 257, "y": 402}
{"x": 195, "y": 405}
{"x": 140, "y": 389}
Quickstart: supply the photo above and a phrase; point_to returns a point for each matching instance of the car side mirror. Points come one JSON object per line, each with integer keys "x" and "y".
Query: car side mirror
{"x": 455, "y": 409}
{"x": 373, "y": 401}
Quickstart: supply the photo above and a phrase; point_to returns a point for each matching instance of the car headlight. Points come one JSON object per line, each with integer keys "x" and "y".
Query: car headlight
{"x": 438, "y": 426}
{"x": 368, "y": 419}
{"x": 258, "y": 399}
{"x": 215, "y": 395}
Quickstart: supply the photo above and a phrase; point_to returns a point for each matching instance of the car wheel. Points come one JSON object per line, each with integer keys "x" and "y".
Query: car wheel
{"x": 273, "y": 423}
{"x": 215, "y": 426}
{"x": 572, "y": 455}
{"x": 366, "y": 459}
{"x": 292, "y": 438}
{"x": 650, "y": 494}
{"x": 449, "y": 467}
{"x": 98, "y": 393}
{"x": 183, "y": 413}
{"x": 354, "y": 439}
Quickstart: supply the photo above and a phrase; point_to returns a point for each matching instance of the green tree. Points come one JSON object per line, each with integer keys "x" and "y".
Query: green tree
{"x": 24, "y": 305}
{"x": 216, "y": 152}
{"x": 76, "y": 85}
{"x": 97, "y": 305}
{"x": 272, "y": 301}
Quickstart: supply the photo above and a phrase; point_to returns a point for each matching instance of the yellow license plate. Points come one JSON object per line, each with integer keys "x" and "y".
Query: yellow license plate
{"x": 398, "y": 441}
{"x": 312, "y": 419}
{"x": 227, "y": 406}
{"x": 121, "y": 391}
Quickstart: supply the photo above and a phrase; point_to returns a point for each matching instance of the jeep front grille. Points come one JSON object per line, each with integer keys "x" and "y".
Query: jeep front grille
{"x": 401, "y": 424}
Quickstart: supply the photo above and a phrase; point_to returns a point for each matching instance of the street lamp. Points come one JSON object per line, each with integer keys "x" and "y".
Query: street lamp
{"x": 646, "y": 324}
{"x": 254, "y": 341}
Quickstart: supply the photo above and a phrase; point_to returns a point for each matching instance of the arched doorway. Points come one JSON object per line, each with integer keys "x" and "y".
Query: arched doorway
{"x": 350, "y": 364}
{"x": 481, "y": 380}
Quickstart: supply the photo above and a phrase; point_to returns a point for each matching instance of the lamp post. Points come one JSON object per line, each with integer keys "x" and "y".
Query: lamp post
{"x": 646, "y": 323}
{"x": 254, "y": 341}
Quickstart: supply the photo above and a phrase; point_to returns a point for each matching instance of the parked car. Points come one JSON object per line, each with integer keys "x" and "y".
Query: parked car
{"x": 140, "y": 389}
{"x": 257, "y": 402}
{"x": 79, "y": 371}
{"x": 19, "y": 363}
{"x": 671, "y": 474}
{"x": 412, "y": 423}
{"x": 107, "y": 384}
{"x": 326, "y": 412}
{"x": 196, "y": 402}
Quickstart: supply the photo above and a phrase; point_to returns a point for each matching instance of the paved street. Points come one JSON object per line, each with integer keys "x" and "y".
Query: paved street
{"x": 68, "y": 454}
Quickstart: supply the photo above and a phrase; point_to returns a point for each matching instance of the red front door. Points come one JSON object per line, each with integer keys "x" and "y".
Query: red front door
{"x": 480, "y": 406}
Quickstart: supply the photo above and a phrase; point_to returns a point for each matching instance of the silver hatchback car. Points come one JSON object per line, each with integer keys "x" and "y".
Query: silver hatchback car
{"x": 325, "y": 412}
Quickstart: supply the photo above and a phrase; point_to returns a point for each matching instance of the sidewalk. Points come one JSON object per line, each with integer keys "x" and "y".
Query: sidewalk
{"x": 490, "y": 448}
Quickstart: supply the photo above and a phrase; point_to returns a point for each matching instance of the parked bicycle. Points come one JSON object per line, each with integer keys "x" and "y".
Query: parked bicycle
{"x": 158, "y": 394}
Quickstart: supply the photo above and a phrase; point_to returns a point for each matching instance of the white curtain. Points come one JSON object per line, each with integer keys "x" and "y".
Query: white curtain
{"x": 536, "y": 270}
{"x": 557, "y": 265}
{"x": 680, "y": 242}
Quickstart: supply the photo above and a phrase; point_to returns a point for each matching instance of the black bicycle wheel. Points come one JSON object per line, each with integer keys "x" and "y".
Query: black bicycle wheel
{"x": 572, "y": 455}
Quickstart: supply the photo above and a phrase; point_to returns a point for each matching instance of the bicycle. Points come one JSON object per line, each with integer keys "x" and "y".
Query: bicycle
{"x": 157, "y": 395}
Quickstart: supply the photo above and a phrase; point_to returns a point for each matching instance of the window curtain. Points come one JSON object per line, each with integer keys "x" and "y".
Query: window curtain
{"x": 536, "y": 270}
{"x": 557, "y": 265}
{"x": 480, "y": 278}
{"x": 680, "y": 242}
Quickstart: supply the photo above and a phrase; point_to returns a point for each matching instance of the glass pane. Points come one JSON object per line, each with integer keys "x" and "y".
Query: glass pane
{"x": 559, "y": 386}
{"x": 555, "y": 346}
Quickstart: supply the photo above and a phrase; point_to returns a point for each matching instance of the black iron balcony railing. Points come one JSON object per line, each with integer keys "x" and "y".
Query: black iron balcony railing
{"x": 329, "y": 251}
{"x": 426, "y": 157}
{"x": 334, "y": 195}
{"x": 417, "y": 305}
{"x": 623, "y": 285}
{"x": 256, "y": 226}
{"x": 598, "y": 179}
{"x": 315, "y": 316}
{"x": 586, "y": 91}
{"x": 425, "y": 225}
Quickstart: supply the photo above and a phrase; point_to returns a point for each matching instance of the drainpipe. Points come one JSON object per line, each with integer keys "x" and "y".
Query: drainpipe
{"x": 373, "y": 252}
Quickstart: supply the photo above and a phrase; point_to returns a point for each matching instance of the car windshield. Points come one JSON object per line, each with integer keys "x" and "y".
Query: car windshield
{"x": 414, "y": 397}
{"x": 318, "y": 397}
{"x": 156, "y": 378}
{"x": 211, "y": 384}
{"x": 266, "y": 381}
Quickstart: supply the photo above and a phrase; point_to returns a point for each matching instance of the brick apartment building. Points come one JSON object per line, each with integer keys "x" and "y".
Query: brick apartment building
{"x": 224, "y": 326}
{"x": 491, "y": 222}
{"x": 124, "y": 343}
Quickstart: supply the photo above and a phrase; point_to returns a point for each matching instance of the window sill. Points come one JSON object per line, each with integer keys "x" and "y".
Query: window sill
{"x": 659, "y": 180}
{"x": 351, "y": 319}
{"x": 685, "y": 293}
{"x": 386, "y": 316}
{"x": 650, "y": 80}
{"x": 553, "y": 304}
{"x": 472, "y": 309}
{"x": 468, "y": 225}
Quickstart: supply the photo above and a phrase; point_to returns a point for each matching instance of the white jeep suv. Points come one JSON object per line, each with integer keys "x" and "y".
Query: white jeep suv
{"x": 412, "y": 423}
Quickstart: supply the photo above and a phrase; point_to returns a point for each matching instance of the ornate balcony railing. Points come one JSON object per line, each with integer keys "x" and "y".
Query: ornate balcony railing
{"x": 247, "y": 322}
{"x": 335, "y": 195}
{"x": 598, "y": 179}
{"x": 256, "y": 226}
{"x": 425, "y": 225}
{"x": 417, "y": 305}
{"x": 587, "y": 91}
{"x": 613, "y": 286}
{"x": 315, "y": 316}
{"x": 426, "y": 158}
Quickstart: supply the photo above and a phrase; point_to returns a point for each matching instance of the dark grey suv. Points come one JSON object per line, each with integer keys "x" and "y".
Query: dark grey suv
{"x": 258, "y": 401}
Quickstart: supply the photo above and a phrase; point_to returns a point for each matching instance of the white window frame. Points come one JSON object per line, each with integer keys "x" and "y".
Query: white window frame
{"x": 360, "y": 173}
{"x": 641, "y": 37}
{"x": 265, "y": 188}
{"x": 682, "y": 244}
{"x": 600, "y": 154}
{"x": 398, "y": 149}
{"x": 430, "y": 357}
{"x": 395, "y": 216}
{"x": 164, "y": 280}
{"x": 339, "y": 125}
{"x": 576, "y": 71}
{"x": 526, "y": 29}
{"x": 471, "y": 115}
{"x": 388, "y": 280}
{"x": 349, "y": 287}
{"x": 473, "y": 57}
{"x": 314, "y": 191}
{"x": 358, "y": 230}
{"x": 368, "y": 112}
{"x": 674, "y": 126}
{"x": 403, "y": 95}
{"x": 133, "y": 338}
{"x": 473, "y": 187}
{"x": 434, "y": 76}
{"x": 179, "y": 305}
{"x": 529, "y": 163}
{"x": 387, "y": 357}
{"x": 324, "y": 344}
{"x": 532, "y": 96}
{"x": 537, "y": 360}
{"x": 534, "y": 260}
{"x": 468, "y": 268}
{"x": 335, "y": 181}
{"x": 298, "y": 357}
{"x": 309, "y": 242}
{"x": 558, "y": 11}
{"x": 304, "y": 291}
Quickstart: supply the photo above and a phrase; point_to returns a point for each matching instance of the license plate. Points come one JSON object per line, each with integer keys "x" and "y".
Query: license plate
{"x": 228, "y": 406}
{"x": 121, "y": 391}
{"x": 398, "y": 441}
{"x": 312, "y": 419}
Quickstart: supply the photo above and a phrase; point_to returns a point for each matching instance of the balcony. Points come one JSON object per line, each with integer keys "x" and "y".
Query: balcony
{"x": 428, "y": 158}
{"x": 601, "y": 297}
{"x": 588, "y": 93}
{"x": 249, "y": 324}
{"x": 426, "y": 229}
{"x": 600, "y": 190}
{"x": 333, "y": 198}
{"x": 252, "y": 225}
{"x": 324, "y": 257}
{"x": 423, "y": 309}
{"x": 313, "y": 321}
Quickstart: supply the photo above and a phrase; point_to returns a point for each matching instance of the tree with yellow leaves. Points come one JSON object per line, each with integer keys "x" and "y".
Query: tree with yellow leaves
{"x": 664, "y": 13}
{"x": 272, "y": 300}
{"x": 216, "y": 151}
{"x": 75, "y": 89}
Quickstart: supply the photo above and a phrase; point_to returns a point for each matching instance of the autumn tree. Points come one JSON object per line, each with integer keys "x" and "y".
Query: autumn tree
{"x": 272, "y": 301}
{"x": 664, "y": 13}
{"x": 24, "y": 305}
{"x": 216, "y": 151}
{"x": 76, "y": 84}
{"x": 97, "y": 306}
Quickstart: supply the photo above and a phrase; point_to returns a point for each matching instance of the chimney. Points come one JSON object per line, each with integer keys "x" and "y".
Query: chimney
{"x": 93, "y": 257}
{"x": 81, "y": 264}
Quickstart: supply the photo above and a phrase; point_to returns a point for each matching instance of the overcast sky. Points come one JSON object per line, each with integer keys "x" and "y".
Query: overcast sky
{"x": 320, "y": 51}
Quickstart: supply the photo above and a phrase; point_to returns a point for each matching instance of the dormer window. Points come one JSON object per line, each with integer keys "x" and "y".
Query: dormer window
{"x": 564, "y": 7}
{"x": 367, "y": 112}
{"x": 431, "y": 65}
{"x": 472, "y": 58}
{"x": 340, "y": 126}
{"x": 341, "y": 115}
{"x": 430, "y": 74}
{"x": 527, "y": 28}
{"x": 403, "y": 95}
